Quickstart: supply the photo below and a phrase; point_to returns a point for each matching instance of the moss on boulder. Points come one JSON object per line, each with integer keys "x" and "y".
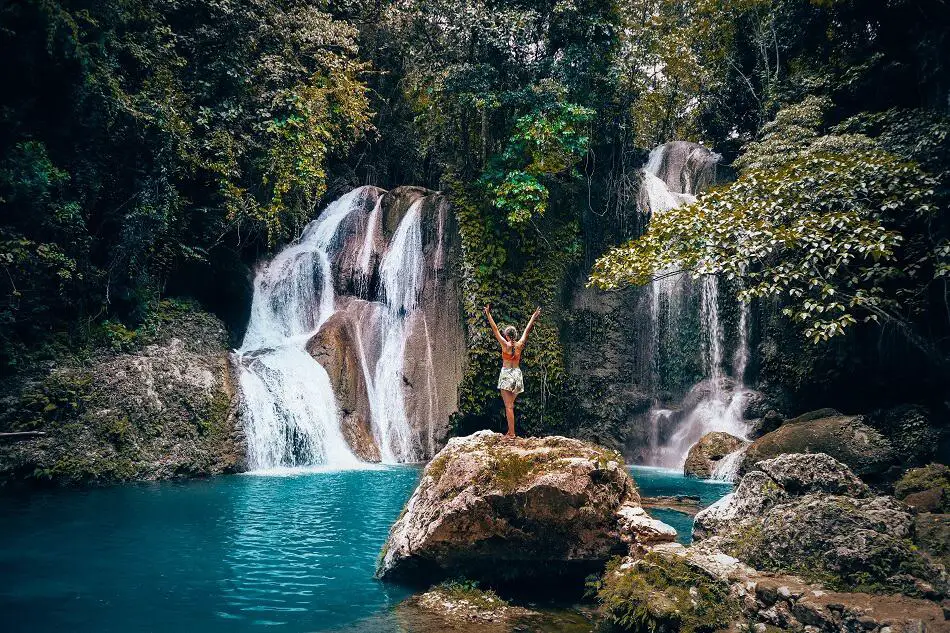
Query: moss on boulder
{"x": 663, "y": 593}
{"x": 926, "y": 488}
{"x": 496, "y": 509}
{"x": 162, "y": 405}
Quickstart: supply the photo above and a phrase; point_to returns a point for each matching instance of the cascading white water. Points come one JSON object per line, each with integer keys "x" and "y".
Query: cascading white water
{"x": 400, "y": 282}
{"x": 728, "y": 467}
{"x": 715, "y": 407}
{"x": 372, "y": 344}
{"x": 289, "y": 410}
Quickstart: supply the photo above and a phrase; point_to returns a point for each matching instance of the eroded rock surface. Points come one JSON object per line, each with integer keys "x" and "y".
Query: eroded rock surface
{"x": 495, "y": 510}
{"x": 428, "y": 331}
{"x": 811, "y": 514}
{"x": 162, "y": 411}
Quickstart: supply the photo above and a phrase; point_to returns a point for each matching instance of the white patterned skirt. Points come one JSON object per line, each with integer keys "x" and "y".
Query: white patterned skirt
{"x": 510, "y": 379}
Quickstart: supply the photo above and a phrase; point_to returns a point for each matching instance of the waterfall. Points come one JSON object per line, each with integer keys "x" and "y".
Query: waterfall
{"x": 400, "y": 278}
{"x": 330, "y": 379}
{"x": 728, "y": 467}
{"x": 672, "y": 176}
{"x": 289, "y": 410}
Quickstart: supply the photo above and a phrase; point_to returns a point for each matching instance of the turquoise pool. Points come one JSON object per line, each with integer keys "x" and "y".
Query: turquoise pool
{"x": 294, "y": 552}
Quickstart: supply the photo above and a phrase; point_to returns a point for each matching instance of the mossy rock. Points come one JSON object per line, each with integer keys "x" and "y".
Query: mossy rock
{"x": 926, "y": 488}
{"x": 164, "y": 410}
{"x": 848, "y": 439}
{"x": 664, "y": 594}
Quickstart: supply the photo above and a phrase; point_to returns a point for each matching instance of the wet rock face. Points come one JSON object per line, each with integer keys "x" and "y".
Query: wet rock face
{"x": 849, "y": 439}
{"x": 706, "y": 454}
{"x": 498, "y": 510}
{"x": 344, "y": 343}
{"x": 811, "y": 514}
{"x": 349, "y": 343}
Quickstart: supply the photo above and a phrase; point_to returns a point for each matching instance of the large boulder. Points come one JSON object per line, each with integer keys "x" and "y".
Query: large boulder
{"x": 849, "y": 439}
{"x": 345, "y": 345}
{"x": 708, "y": 452}
{"x": 808, "y": 513}
{"x": 496, "y": 510}
{"x": 162, "y": 408}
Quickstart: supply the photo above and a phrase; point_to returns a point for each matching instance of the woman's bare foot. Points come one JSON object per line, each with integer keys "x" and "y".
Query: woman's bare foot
{"x": 510, "y": 435}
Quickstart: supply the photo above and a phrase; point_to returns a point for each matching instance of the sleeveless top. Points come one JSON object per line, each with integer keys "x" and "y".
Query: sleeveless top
{"x": 515, "y": 354}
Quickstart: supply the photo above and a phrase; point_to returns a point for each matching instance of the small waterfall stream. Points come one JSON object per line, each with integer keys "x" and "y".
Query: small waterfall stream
{"x": 715, "y": 403}
{"x": 291, "y": 415}
{"x": 289, "y": 408}
{"x": 400, "y": 277}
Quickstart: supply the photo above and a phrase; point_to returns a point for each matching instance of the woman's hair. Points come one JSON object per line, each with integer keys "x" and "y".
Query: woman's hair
{"x": 510, "y": 332}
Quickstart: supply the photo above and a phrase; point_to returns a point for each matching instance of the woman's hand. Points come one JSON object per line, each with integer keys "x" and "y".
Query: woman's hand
{"x": 536, "y": 314}
{"x": 488, "y": 310}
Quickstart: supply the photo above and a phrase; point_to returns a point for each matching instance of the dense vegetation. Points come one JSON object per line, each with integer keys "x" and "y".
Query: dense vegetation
{"x": 150, "y": 149}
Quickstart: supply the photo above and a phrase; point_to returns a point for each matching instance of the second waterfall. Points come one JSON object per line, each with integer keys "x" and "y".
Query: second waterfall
{"x": 347, "y": 327}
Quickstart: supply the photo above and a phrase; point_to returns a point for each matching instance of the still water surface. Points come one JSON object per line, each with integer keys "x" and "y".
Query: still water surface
{"x": 294, "y": 552}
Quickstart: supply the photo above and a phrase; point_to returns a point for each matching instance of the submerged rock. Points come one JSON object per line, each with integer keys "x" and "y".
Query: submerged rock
{"x": 460, "y": 607}
{"x": 497, "y": 510}
{"x": 705, "y": 455}
{"x": 810, "y": 514}
{"x": 846, "y": 438}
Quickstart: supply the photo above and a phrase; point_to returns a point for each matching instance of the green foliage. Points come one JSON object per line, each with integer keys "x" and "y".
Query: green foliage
{"x": 819, "y": 222}
{"x": 520, "y": 196}
{"x": 174, "y": 135}
{"x": 551, "y": 143}
{"x": 469, "y": 591}
{"x": 663, "y": 594}
{"x": 515, "y": 273}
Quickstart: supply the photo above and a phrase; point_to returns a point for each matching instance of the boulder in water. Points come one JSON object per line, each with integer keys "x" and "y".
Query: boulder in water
{"x": 846, "y": 438}
{"x": 496, "y": 510}
{"x": 810, "y": 514}
{"x": 708, "y": 452}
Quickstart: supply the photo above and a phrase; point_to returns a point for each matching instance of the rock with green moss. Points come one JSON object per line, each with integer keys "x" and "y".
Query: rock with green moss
{"x": 663, "y": 592}
{"x": 705, "y": 455}
{"x": 809, "y": 514}
{"x": 162, "y": 406}
{"x": 495, "y": 509}
{"x": 849, "y": 439}
{"x": 927, "y": 489}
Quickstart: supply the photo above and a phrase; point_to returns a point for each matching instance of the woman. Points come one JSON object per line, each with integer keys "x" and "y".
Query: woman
{"x": 510, "y": 381}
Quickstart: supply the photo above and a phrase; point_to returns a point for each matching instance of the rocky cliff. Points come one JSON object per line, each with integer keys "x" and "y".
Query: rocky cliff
{"x": 165, "y": 409}
{"x": 350, "y": 343}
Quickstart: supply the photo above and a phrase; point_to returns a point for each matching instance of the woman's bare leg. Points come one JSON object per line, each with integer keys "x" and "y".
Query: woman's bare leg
{"x": 509, "y": 399}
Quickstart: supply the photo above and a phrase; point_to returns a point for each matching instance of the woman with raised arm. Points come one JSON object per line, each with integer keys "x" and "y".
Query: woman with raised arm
{"x": 510, "y": 381}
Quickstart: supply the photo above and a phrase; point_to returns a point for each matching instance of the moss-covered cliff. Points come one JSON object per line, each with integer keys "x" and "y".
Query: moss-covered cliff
{"x": 153, "y": 403}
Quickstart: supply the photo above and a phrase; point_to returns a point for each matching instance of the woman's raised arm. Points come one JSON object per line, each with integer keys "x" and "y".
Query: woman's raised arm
{"x": 494, "y": 328}
{"x": 530, "y": 326}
